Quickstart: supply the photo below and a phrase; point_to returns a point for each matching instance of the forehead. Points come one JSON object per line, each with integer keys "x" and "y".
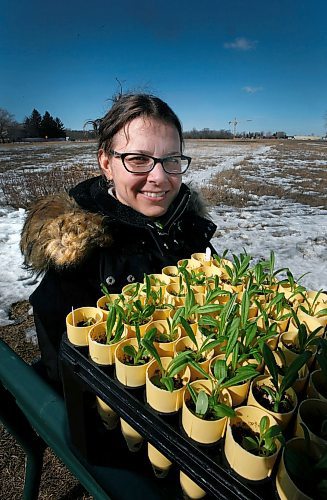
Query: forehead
{"x": 146, "y": 128}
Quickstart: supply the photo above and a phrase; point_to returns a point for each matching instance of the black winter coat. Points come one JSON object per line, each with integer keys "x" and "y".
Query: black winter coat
{"x": 87, "y": 238}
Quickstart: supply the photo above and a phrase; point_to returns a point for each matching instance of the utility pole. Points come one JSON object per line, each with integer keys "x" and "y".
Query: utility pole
{"x": 235, "y": 122}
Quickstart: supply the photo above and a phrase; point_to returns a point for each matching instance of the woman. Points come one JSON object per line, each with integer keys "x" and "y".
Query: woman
{"x": 135, "y": 218}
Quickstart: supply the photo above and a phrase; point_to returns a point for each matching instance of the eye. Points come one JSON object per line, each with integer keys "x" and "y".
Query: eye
{"x": 173, "y": 160}
{"x": 138, "y": 159}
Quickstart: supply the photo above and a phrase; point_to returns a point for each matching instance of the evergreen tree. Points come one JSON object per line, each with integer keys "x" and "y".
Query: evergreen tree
{"x": 43, "y": 126}
{"x": 32, "y": 124}
{"x": 48, "y": 126}
{"x": 60, "y": 128}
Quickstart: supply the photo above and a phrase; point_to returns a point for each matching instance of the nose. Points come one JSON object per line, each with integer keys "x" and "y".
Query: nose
{"x": 157, "y": 174}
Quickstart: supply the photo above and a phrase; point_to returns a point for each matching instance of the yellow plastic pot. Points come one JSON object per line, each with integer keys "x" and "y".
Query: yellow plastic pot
{"x": 203, "y": 431}
{"x": 78, "y": 335}
{"x": 190, "y": 488}
{"x": 310, "y": 410}
{"x": 108, "y": 416}
{"x": 164, "y": 348}
{"x": 286, "y": 487}
{"x": 185, "y": 342}
{"x": 129, "y": 375}
{"x": 190, "y": 263}
{"x": 243, "y": 462}
{"x": 129, "y": 330}
{"x": 317, "y": 387}
{"x": 102, "y": 301}
{"x": 102, "y": 354}
{"x": 160, "y": 399}
{"x": 200, "y": 257}
{"x": 133, "y": 439}
{"x": 283, "y": 419}
{"x": 313, "y": 322}
{"x": 159, "y": 462}
{"x": 172, "y": 298}
{"x": 289, "y": 338}
{"x": 161, "y": 314}
{"x": 172, "y": 273}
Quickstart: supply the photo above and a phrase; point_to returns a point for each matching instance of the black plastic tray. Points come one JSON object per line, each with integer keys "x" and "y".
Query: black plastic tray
{"x": 83, "y": 379}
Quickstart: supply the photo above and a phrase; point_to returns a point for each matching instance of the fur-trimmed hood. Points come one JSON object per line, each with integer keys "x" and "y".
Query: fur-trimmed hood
{"x": 62, "y": 229}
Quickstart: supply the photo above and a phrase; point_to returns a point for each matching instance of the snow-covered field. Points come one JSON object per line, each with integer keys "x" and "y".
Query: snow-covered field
{"x": 296, "y": 232}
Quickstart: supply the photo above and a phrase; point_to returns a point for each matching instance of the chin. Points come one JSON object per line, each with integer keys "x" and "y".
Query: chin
{"x": 154, "y": 212}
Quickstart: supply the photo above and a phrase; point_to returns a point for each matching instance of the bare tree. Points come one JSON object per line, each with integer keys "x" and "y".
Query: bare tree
{"x": 7, "y": 122}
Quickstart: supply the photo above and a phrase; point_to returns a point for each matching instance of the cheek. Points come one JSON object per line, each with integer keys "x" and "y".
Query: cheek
{"x": 125, "y": 182}
{"x": 176, "y": 183}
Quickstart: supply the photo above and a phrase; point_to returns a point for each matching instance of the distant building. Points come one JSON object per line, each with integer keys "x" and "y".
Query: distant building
{"x": 307, "y": 137}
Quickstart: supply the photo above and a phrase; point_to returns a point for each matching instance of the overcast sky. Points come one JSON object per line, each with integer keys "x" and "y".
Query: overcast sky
{"x": 212, "y": 61}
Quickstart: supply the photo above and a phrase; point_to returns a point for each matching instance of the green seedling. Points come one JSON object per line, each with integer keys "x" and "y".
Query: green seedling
{"x": 209, "y": 406}
{"x": 264, "y": 444}
{"x": 277, "y": 393}
{"x": 139, "y": 356}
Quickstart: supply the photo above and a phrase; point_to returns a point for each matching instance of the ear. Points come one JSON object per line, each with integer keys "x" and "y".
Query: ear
{"x": 105, "y": 163}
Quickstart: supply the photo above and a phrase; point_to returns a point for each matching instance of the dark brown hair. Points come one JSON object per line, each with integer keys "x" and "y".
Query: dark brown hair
{"x": 127, "y": 107}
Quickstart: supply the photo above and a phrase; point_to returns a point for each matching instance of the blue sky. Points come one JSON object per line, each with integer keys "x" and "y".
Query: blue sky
{"x": 210, "y": 60}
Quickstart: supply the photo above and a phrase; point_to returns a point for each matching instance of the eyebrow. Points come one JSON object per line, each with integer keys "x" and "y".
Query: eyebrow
{"x": 143, "y": 152}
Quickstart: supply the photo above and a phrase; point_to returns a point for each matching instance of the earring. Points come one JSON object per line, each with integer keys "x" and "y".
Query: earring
{"x": 109, "y": 182}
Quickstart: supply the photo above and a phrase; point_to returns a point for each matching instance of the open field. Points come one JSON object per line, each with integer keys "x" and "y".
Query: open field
{"x": 295, "y": 170}
{"x": 262, "y": 194}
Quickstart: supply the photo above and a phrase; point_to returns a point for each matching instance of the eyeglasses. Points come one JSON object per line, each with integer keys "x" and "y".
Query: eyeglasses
{"x": 136, "y": 163}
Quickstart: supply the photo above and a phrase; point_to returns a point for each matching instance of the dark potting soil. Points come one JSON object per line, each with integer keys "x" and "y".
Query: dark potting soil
{"x": 210, "y": 415}
{"x": 86, "y": 322}
{"x": 285, "y": 406}
{"x": 101, "y": 339}
{"x": 292, "y": 347}
{"x": 155, "y": 379}
{"x": 243, "y": 430}
{"x": 129, "y": 361}
{"x": 176, "y": 294}
{"x": 201, "y": 360}
{"x": 162, "y": 337}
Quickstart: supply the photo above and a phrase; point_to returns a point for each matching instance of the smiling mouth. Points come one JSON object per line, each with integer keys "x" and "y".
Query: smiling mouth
{"x": 154, "y": 195}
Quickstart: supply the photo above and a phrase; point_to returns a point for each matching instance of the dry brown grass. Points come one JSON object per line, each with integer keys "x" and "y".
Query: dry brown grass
{"x": 303, "y": 182}
{"x": 21, "y": 188}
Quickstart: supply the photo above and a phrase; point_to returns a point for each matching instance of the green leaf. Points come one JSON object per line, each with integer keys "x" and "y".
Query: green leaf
{"x": 291, "y": 373}
{"x": 153, "y": 352}
{"x": 221, "y": 410}
{"x": 233, "y": 333}
{"x": 189, "y": 331}
{"x": 197, "y": 367}
{"x": 130, "y": 350}
{"x": 271, "y": 364}
{"x": 242, "y": 375}
{"x": 201, "y": 403}
{"x": 168, "y": 383}
{"x": 249, "y": 444}
{"x": 110, "y": 323}
{"x": 245, "y": 306}
{"x": 192, "y": 393}
{"x": 264, "y": 425}
{"x": 322, "y": 312}
{"x": 220, "y": 370}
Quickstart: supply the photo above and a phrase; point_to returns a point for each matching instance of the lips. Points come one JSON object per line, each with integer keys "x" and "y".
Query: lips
{"x": 151, "y": 194}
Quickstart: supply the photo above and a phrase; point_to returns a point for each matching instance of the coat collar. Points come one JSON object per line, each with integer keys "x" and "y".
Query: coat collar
{"x": 61, "y": 230}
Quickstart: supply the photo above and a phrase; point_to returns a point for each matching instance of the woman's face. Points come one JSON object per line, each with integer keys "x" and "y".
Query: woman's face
{"x": 151, "y": 193}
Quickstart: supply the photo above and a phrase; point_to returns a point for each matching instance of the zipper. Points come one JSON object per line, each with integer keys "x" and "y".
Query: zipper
{"x": 171, "y": 220}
